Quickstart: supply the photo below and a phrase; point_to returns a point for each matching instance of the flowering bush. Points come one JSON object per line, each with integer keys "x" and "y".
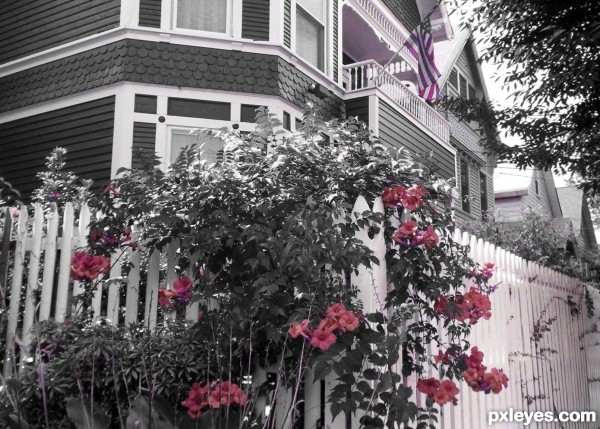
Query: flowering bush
{"x": 87, "y": 268}
{"x": 266, "y": 245}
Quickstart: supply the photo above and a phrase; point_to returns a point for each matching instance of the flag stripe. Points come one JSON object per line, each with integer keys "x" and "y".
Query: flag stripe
{"x": 420, "y": 45}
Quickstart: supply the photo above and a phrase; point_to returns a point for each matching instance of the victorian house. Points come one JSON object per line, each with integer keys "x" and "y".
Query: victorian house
{"x": 105, "y": 77}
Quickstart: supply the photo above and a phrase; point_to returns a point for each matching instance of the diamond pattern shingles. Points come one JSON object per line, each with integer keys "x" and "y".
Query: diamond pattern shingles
{"x": 164, "y": 64}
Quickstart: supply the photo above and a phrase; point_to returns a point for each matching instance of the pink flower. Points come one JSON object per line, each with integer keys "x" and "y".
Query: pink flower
{"x": 409, "y": 227}
{"x": 110, "y": 189}
{"x": 449, "y": 388}
{"x": 335, "y": 310}
{"x": 86, "y": 267}
{"x": 225, "y": 394}
{"x": 322, "y": 338}
{"x": 165, "y": 298}
{"x": 428, "y": 386}
{"x": 15, "y": 212}
{"x": 348, "y": 322}
{"x": 300, "y": 329}
{"x": 413, "y": 198}
{"x": 392, "y": 196}
{"x": 442, "y": 357}
{"x": 430, "y": 239}
{"x": 197, "y": 400}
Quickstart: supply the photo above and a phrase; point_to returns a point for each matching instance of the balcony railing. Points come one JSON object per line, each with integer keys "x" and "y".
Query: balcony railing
{"x": 369, "y": 74}
{"x": 389, "y": 26}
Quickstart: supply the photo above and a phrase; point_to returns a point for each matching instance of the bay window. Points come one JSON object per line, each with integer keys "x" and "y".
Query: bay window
{"x": 310, "y": 31}
{"x": 212, "y": 147}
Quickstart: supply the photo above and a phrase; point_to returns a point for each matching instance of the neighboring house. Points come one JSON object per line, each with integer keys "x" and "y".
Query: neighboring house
{"x": 518, "y": 191}
{"x": 575, "y": 208}
{"x": 105, "y": 77}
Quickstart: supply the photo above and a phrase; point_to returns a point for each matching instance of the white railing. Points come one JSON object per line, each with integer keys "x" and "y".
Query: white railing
{"x": 369, "y": 74}
{"x": 466, "y": 135}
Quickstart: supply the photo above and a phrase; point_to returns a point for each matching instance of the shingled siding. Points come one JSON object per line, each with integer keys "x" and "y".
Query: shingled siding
{"x": 255, "y": 19}
{"x": 30, "y": 26}
{"x": 162, "y": 64}
{"x": 406, "y": 11}
{"x": 396, "y": 130}
{"x": 85, "y": 130}
{"x": 150, "y": 12}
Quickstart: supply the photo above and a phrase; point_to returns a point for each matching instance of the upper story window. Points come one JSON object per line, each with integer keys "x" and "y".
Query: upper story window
{"x": 464, "y": 187}
{"x": 310, "y": 31}
{"x": 459, "y": 85}
{"x": 202, "y": 15}
{"x": 483, "y": 187}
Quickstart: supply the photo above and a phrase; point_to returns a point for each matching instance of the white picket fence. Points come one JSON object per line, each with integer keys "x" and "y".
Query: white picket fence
{"x": 558, "y": 372}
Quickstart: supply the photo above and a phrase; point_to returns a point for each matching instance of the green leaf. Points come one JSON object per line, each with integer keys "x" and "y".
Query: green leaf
{"x": 85, "y": 414}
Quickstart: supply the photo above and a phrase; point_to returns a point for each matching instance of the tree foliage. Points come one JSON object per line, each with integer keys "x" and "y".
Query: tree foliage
{"x": 552, "y": 54}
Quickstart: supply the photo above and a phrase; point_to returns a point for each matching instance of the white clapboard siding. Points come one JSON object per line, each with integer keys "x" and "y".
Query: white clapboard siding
{"x": 561, "y": 371}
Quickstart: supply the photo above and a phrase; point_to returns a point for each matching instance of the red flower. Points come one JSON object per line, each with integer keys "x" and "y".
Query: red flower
{"x": 335, "y": 310}
{"x": 393, "y": 196}
{"x": 165, "y": 298}
{"x": 348, "y": 322}
{"x": 110, "y": 189}
{"x": 322, "y": 338}
{"x": 197, "y": 400}
{"x": 430, "y": 238}
{"x": 225, "y": 394}
{"x": 86, "y": 267}
{"x": 300, "y": 329}
{"x": 449, "y": 388}
{"x": 409, "y": 227}
{"x": 428, "y": 386}
{"x": 442, "y": 357}
{"x": 413, "y": 198}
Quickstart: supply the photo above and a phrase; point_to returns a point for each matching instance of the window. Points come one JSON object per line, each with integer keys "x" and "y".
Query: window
{"x": 204, "y": 15}
{"x": 484, "y": 194}
{"x": 248, "y": 112}
{"x": 180, "y": 137}
{"x": 310, "y": 31}
{"x": 459, "y": 85}
{"x": 464, "y": 187}
{"x": 287, "y": 121}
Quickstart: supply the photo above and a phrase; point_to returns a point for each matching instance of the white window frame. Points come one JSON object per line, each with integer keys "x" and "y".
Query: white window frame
{"x": 327, "y": 24}
{"x": 232, "y": 5}
{"x": 455, "y": 90}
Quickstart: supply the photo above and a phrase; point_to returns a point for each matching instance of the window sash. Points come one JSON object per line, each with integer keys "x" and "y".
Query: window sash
{"x": 180, "y": 138}
{"x": 203, "y": 15}
{"x": 310, "y": 39}
{"x": 464, "y": 187}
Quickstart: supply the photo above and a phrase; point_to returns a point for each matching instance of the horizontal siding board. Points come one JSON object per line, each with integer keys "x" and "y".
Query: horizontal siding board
{"x": 358, "y": 107}
{"x": 27, "y": 142}
{"x": 396, "y": 130}
{"x": 144, "y": 144}
{"x": 30, "y": 27}
{"x": 150, "y": 13}
{"x": 255, "y": 19}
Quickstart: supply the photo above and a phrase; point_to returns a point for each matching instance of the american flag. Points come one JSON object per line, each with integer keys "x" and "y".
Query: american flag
{"x": 420, "y": 44}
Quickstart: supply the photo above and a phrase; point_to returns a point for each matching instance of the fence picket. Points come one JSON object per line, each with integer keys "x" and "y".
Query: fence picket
{"x": 33, "y": 272}
{"x": 52, "y": 220}
{"x": 64, "y": 270}
{"x": 15, "y": 295}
